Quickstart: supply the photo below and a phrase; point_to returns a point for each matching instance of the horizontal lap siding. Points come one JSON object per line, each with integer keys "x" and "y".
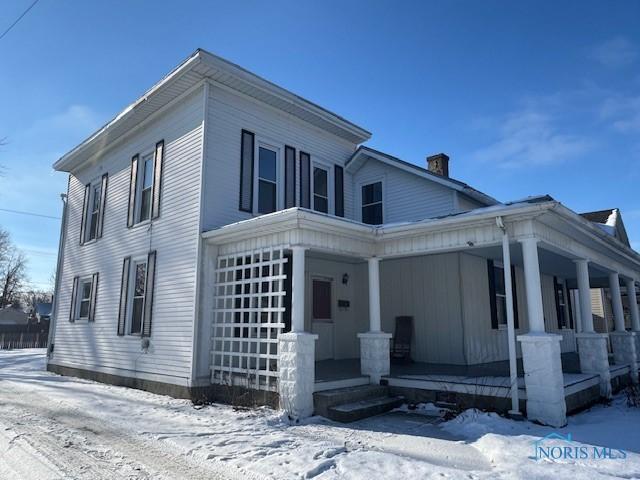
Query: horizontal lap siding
{"x": 228, "y": 114}
{"x": 175, "y": 237}
{"x": 407, "y": 197}
{"x": 485, "y": 344}
{"x": 428, "y": 289}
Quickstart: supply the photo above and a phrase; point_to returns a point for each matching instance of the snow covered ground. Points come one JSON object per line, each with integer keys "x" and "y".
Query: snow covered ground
{"x": 54, "y": 427}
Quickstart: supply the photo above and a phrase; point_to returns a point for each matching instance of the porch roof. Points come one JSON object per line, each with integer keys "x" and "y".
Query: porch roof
{"x": 559, "y": 230}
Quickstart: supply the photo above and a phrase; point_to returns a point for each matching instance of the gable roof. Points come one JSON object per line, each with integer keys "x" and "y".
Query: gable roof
{"x": 610, "y": 221}
{"x": 364, "y": 153}
{"x": 197, "y": 67}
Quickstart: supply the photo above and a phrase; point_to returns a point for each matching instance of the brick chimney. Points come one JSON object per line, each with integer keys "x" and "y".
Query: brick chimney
{"x": 438, "y": 164}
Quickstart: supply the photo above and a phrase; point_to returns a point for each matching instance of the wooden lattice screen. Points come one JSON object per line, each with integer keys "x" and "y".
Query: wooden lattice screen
{"x": 248, "y": 316}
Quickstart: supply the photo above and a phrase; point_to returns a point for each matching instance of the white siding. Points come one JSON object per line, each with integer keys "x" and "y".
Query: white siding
{"x": 228, "y": 114}
{"x": 406, "y": 197}
{"x": 428, "y": 289}
{"x": 174, "y": 235}
{"x": 465, "y": 203}
{"x": 483, "y": 343}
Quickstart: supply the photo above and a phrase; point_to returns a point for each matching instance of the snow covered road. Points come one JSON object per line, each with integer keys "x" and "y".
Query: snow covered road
{"x": 54, "y": 427}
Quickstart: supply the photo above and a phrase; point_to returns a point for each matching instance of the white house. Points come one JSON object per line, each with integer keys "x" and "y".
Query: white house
{"x": 224, "y": 236}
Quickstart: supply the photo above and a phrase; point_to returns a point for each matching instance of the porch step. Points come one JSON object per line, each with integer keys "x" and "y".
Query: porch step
{"x": 350, "y": 412}
{"x": 353, "y": 403}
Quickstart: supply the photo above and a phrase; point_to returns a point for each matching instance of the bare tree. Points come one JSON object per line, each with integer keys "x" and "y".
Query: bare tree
{"x": 13, "y": 270}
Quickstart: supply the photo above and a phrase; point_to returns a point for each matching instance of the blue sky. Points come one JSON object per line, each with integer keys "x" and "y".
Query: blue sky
{"x": 526, "y": 97}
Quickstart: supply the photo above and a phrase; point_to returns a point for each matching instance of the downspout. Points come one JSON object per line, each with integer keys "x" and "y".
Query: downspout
{"x": 56, "y": 287}
{"x": 511, "y": 333}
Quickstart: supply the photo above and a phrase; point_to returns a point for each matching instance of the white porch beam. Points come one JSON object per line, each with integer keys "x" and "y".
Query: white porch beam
{"x": 532, "y": 284}
{"x": 297, "y": 289}
{"x": 374, "y": 294}
{"x": 633, "y": 304}
{"x": 584, "y": 295}
{"x": 616, "y": 300}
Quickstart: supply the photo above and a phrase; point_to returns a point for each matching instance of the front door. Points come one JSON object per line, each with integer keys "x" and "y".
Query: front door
{"x": 322, "y": 319}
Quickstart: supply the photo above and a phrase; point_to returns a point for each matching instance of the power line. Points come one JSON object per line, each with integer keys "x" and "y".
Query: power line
{"x": 18, "y": 19}
{"x": 19, "y": 212}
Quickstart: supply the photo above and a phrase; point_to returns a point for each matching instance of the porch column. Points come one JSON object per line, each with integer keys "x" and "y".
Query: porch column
{"x": 296, "y": 350}
{"x": 543, "y": 377}
{"x": 374, "y": 344}
{"x": 635, "y": 316}
{"x": 592, "y": 346}
{"x": 623, "y": 343}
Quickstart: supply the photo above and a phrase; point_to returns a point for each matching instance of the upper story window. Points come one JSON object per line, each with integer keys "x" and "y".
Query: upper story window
{"x": 320, "y": 189}
{"x": 372, "y": 203}
{"x": 267, "y": 180}
{"x": 146, "y": 189}
{"x": 94, "y": 212}
{"x": 145, "y": 185}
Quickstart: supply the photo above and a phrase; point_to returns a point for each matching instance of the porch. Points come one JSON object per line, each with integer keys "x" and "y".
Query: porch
{"x": 436, "y": 272}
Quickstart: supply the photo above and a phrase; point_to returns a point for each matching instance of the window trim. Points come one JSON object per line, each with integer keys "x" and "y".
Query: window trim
{"x": 95, "y": 184}
{"x": 135, "y": 261}
{"x": 327, "y": 167}
{"x": 382, "y": 181}
{"x": 148, "y": 155}
{"x": 261, "y": 142}
{"x": 82, "y": 281}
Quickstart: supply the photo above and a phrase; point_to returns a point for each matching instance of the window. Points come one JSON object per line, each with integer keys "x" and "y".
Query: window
{"x": 501, "y": 297}
{"x": 267, "y": 180}
{"x": 84, "y": 299}
{"x": 561, "y": 304}
{"x": 94, "y": 212}
{"x": 137, "y": 297}
{"x": 321, "y": 300}
{"x": 372, "y": 203}
{"x": 146, "y": 189}
{"x": 320, "y": 190}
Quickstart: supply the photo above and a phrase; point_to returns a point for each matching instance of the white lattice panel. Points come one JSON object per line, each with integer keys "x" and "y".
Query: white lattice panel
{"x": 249, "y": 306}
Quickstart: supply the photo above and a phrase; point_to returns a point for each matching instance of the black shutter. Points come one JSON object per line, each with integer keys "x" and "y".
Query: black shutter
{"x": 148, "y": 294}
{"x": 492, "y": 294}
{"x": 556, "y": 296}
{"x": 85, "y": 207}
{"x": 289, "y": 177}
{"x": 247, "y": 153}
{"x": 94, "y": 294}
{"x": 305, "y": 180}
{"x": 133, "y": 187}
{"x": 566, "y": 287}
{"x": 514, "y": 294}
{"x": 124, "y": 292}
{"x": 339, "y": 190}
{"x": 103, "y": 201}
{"x": 157, "y": 179}
{"x": 74, "y": 296}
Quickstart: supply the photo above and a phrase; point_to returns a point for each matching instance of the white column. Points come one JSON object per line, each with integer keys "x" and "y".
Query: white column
{"x": 297, "y": 289}
{"x": 296, "y": 350}
{"x": 540, "y": 351}
{"x": 616, "y": 301}
{"x": 532, "y": 285}
{"x": 375, "y": 360}
{"x": 374, "y": 294}
{"x": 584, "y": 295}
{"x": 511, "y": 334}
{"x": 633, "y": 304}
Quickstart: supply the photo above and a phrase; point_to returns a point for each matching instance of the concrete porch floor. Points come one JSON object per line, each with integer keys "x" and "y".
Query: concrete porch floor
{"x": 333, "y": 370}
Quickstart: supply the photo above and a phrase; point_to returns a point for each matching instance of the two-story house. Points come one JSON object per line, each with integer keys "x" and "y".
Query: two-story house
{"x": 225, "y": 235}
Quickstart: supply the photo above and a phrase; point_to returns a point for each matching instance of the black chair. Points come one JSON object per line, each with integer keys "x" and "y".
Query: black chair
{"x": 401, "y": 345}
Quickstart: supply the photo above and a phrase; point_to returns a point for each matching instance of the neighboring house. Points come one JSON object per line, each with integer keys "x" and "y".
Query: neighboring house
{"x": 222, "y": 234}
{"x": 12, "y": 317}
{"x": 611, "y": 222}
{"x": 42, "y": 313}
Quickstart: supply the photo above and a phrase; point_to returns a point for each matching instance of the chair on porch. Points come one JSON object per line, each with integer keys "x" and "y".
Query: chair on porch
{"x": 401, "y": 345}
